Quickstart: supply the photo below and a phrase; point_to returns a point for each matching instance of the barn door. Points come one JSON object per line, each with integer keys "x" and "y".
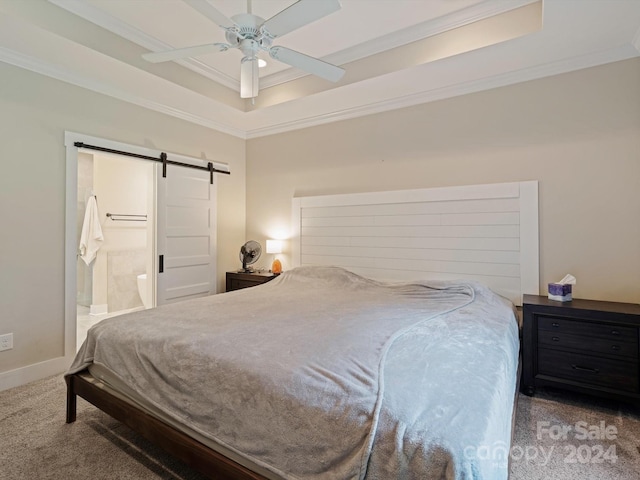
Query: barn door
{"x": 186, "y": 234}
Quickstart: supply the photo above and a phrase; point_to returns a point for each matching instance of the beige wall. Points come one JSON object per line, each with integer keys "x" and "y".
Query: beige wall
{"x": 578, "y": 134}
{"x": 35, "y": 112}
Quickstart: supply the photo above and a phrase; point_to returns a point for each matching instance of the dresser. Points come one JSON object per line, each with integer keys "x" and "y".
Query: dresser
{"x": 587, "y": 346}
{"x": 238, "y": 280}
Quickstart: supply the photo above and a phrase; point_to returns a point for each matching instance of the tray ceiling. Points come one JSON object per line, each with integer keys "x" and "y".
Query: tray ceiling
{"x": 396, "y": 53}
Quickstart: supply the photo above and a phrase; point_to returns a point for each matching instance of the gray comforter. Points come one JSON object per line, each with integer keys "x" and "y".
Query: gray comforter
{"x": 322, "y": 374}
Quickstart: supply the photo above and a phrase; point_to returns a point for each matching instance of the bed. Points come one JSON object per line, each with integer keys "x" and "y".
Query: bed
{"x": 321, "y": 373}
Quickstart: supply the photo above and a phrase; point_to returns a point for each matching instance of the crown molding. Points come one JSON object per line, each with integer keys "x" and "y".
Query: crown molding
{"x": 44, "y": 68}
{"x": 576, "y": 63}
{"x": 123, "y": 29}
{"x": 500, "y": 80}
{"x": 402, "y": 37}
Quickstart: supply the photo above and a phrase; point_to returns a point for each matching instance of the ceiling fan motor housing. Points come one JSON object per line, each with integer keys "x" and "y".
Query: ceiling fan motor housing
{"x": 246, "y": 34}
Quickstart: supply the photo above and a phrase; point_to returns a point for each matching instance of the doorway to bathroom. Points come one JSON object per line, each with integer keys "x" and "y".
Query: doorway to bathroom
{"x": 116, "y": 202}
{"x": 180, "y": 228}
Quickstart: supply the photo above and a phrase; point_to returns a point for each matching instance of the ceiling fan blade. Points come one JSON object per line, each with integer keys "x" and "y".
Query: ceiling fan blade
{"x": 249, "y": 85}
{"x": 308, "y": 64}
{"x": 212, "y": 13}
{"x": 299, "y": 14}
{"x": 157, "y": 57}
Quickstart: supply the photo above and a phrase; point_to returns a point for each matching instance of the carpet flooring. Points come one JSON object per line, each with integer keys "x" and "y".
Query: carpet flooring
{"x": 35, "y": 442}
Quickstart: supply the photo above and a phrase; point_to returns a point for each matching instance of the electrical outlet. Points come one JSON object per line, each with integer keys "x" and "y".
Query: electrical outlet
{"x": 6, "y": 342}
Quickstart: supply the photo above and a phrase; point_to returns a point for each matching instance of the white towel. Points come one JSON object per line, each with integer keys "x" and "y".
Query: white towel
{"x": 91, "y": 238}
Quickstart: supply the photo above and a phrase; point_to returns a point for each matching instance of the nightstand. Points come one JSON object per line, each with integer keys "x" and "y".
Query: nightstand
{"x": 587, "y": 346}
{"x": 238, "y": 280}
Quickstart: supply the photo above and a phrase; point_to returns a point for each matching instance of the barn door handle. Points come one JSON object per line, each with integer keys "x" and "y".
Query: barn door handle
{"x": 161, "y": 264}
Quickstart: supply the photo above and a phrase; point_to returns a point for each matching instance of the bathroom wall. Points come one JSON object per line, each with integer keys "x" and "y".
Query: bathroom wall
{"x": 123, "y": 268}
{"x": 121, "y": 185}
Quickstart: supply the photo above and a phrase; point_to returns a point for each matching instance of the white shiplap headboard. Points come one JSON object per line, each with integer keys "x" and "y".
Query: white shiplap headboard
{"x": 487, "y": 233}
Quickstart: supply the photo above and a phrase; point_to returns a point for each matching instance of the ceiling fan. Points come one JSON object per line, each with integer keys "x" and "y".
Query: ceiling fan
{"x": 251, "y": 35}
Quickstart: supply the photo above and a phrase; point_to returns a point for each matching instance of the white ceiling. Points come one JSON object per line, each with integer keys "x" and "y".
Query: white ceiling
{"x": 396, "y": 53}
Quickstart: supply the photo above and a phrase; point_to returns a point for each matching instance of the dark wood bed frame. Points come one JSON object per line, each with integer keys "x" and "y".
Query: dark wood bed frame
{"x": 176, "y": 443}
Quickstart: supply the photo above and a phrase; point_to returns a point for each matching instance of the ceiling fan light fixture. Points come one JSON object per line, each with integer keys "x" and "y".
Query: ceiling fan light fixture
{"x": 262, "y": 63}
{"x": 249, "y": 77}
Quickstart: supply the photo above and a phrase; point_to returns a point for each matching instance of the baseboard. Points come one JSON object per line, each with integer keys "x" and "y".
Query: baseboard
{"x": 31, "y": 373}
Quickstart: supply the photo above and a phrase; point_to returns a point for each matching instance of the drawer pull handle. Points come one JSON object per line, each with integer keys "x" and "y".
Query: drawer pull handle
{"x": 615, "y": 347}
{"x": 585, "y": 369}
{"x": 615, "y": 332}
{"x": 556, "y": 325}
{"x": 555, "y": 339}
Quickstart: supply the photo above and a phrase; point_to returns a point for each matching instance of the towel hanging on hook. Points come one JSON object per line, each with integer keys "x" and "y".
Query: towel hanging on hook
{"x": 91, "y": 237}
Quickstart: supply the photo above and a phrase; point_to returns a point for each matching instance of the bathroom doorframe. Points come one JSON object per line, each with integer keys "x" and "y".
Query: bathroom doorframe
{"x": 71, "y": 229}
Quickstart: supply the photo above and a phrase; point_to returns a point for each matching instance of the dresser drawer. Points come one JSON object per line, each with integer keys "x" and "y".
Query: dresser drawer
{"x": 609, "y": 332}
{"x": 239, "y": 284}
{"x": 618, "y": 374}
{"x": 595, "y": 345}
{"x": 239, "y": 280}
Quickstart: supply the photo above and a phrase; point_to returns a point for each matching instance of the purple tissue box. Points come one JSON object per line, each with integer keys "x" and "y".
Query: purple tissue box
{"x": 560, "y": 292}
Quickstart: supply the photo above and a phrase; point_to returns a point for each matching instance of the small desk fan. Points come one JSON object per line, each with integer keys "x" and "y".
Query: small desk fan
{"x": 250, "y": 253}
